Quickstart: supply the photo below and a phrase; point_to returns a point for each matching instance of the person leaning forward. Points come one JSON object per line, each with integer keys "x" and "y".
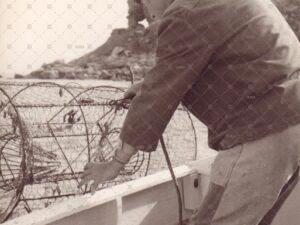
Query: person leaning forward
{"x": 232, "y": 63}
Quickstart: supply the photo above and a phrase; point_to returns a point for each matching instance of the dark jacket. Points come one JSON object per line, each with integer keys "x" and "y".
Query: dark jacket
{"x": 230, "y": 62}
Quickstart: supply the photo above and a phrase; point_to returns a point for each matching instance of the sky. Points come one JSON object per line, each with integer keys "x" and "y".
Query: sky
{"x": 33, "y": 32}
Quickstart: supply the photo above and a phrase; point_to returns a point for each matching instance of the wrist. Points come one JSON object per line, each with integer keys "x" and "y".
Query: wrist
{"x": 124, "y": 153}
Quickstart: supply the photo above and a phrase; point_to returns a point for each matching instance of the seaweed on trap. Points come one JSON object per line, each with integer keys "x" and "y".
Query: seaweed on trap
{"x": 49, "y": 131}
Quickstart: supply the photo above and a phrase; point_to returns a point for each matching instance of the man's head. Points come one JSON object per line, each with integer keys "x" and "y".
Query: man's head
{"x": 154, "y": 9}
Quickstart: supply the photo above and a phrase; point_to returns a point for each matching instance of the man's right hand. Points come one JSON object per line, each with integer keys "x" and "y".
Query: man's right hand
{"x": 132, "y": 91}
{"x": 99, "y": 173}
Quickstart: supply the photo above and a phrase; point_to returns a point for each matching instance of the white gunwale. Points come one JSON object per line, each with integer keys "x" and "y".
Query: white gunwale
{"x": 115, "y": 193}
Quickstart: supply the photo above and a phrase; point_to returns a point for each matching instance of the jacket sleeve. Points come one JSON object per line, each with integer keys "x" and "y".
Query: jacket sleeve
{"x": 181, "y": 56}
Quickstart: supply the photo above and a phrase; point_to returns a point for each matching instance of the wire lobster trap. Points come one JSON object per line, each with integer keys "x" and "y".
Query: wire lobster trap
{"x": 48, "y": 132}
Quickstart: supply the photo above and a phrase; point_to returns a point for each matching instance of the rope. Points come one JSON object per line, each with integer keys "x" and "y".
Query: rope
{"x": 180, "y": 218}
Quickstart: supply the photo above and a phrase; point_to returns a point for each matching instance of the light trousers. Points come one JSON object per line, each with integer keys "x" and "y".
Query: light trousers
{"x": 247, "y": 179}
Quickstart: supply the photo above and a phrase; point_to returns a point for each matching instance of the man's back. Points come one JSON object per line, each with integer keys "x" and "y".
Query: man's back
{"x": 246, "y": 91}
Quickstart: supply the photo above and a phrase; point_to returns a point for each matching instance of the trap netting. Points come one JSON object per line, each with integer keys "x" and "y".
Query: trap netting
{"x": 48, "y": 132}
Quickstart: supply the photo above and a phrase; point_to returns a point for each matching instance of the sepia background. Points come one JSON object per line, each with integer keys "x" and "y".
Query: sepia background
{"x": 87, "y": 42}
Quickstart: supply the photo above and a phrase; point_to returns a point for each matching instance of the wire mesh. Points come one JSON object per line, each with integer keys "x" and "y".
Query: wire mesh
{"x": 50, "y": 131}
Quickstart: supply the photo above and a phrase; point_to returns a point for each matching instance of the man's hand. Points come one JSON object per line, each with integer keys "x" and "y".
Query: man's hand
{"x": 99, "y": 173}
{"x": 102, "y": 172}
{"x": 132, "y": 91}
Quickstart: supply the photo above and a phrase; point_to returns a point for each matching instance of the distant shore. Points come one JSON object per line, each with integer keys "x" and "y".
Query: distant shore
{"x": 123, "y": 84}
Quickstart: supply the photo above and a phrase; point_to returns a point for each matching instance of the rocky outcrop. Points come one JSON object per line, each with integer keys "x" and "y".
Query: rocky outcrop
{"x": 134, "y": 41}
{"x": 121, "y": 64}
{"x": 127, "y": 54}
{"x": 135, "y": 13}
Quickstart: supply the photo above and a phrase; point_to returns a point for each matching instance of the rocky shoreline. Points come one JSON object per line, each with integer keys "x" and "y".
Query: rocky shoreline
{"x": 128, "y": 54}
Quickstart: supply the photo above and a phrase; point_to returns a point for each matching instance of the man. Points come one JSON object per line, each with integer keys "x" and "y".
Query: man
{"x": 232, "y": 63}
